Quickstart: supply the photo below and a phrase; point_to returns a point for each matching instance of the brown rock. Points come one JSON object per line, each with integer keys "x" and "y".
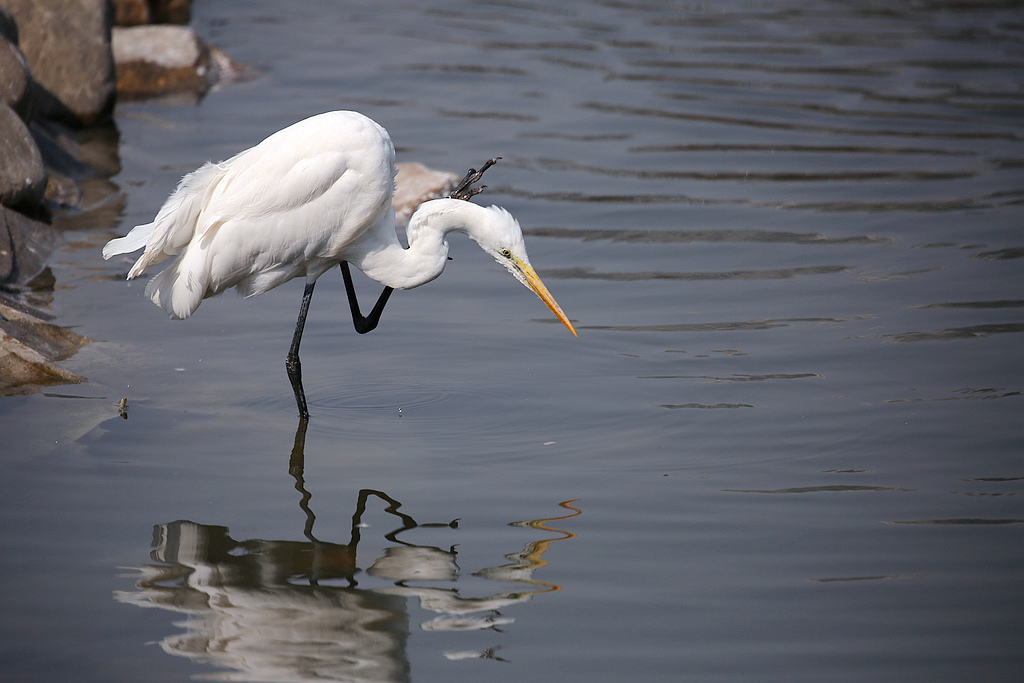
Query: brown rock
{"x": 51, "y": 341}
{"x": 15, "y": 81}
{"x": 25, "y": 245}
{"x": 67, "y": 46}
{"x": 157, "y": 60}
{"x": 23, "y": 370}
{"x": 171, "y": 11}
{"x": 8, "y": 27}
{"x": 415, "y": 184}
{"x": 29, "y": 345}
{"x": 132, "y": 12}
{"x": 22, "y": 176}
{"x": 142, "y": 12}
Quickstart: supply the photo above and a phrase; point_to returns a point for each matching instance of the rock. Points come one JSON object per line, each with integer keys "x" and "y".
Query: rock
{"x": 29, "y": 345}
{"x": 8, "y": 27}
{"x": 49, "y": 340}
{"x": 56, "y": 70}
{"x": 15, "y": 81}
{"x": 132, "y": 12}
{"x": 23, "y": 371}
{"x": 67, "y": 46}
{"x": 158, "y": 60}
{"x": 415, "y": 184}
{"x": 25, "y": 245}
{"x": 154, "y": 57}
{"x": 142, "y": 12}
{"x": 171, "y": 11}
{"x": 78, "y": 153}
{"x": 22, "y": 176}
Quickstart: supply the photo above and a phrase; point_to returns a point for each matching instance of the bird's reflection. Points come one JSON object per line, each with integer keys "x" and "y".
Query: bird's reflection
{"x": 278, "y": 610}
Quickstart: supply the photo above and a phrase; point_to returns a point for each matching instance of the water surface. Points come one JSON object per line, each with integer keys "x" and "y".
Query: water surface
{"x": 786, "y": 445}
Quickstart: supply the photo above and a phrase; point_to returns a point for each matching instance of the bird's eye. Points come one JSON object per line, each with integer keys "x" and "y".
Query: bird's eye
{"x": 506, "y": 253}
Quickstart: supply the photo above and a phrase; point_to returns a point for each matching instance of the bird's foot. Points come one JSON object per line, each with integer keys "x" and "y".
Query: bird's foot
{"x": 465, "y": 190}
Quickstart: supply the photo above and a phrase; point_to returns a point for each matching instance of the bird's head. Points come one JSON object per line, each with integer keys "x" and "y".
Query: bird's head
{"x": 498, "y": 233}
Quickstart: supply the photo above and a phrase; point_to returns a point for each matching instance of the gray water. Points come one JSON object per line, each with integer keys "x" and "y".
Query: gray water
{"x": 785, "y": 447}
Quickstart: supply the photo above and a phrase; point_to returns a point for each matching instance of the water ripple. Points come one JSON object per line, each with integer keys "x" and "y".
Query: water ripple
{"x": 1002, "y": 254}
{"x": 760, "y": 66}
{"x": 987, "y": 394}
{"x": 801, "y": 149}
{"x": 957, "y": 521}
{"x": 676, "y": 406}
{"x": 975, "y": 305}
{"x": 841, "y": 488}
{"x": 738, "y": 377}
{"x": 461, "y": 69}
{"x": 690, "y": 236}
{"x": 776, "y": 274}
{"x": 747, "y": 176}
{"x": 877, "y": 577}
{"x": 982, "y": 201}
{"x": 954, "y": 333}
{"x": 755, "y": 123}
{"x": 496, "y": 115}
{"x": 712, "y": 327}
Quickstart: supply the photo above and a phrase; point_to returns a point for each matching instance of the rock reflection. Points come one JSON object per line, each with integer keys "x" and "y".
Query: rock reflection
{"x": 280, "y": 610}
{"x": 974, "y": 305}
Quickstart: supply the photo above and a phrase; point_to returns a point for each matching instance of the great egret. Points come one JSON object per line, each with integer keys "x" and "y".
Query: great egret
{"x": 311, "y": 196}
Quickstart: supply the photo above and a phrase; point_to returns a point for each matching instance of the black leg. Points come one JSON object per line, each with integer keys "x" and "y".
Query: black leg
{"x": 369, "y": 323}
{"x": 292, "y": 363}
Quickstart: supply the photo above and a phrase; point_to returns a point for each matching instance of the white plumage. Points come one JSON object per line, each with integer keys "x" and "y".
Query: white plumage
{"x": 292, "y": 205}
{"x": 314, "y": 195}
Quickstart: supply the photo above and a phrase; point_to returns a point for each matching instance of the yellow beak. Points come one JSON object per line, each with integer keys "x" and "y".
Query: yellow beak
{"x": 534, "y": 283}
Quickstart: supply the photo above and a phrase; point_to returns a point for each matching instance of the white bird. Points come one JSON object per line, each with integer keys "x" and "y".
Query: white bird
{"x": 311, "y": 196}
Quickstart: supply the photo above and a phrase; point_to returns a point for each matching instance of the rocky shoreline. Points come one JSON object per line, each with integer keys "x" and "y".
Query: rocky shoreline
{"x": 63, "y": 65}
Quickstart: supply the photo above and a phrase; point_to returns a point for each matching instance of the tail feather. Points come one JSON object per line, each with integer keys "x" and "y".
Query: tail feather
{"x": 179, "y": 220}
{"x": 133, "y": 241}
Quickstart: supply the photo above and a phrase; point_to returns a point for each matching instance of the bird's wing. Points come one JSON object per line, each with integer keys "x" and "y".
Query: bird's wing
{"x": 299, "y": 186}
{"x": 245, "y": 187}
{"x": 276, "y": 182}
{"x": 294, "y": 167}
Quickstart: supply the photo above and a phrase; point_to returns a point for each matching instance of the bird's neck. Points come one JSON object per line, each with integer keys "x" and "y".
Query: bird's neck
{"x": 394, "y": 266}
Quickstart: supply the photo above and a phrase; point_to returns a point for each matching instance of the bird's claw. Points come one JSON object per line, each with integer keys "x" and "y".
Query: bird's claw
{"x": 465, "y": 190}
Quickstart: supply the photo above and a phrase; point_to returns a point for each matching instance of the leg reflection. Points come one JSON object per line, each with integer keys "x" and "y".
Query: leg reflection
{"x": 296, "y": 467}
